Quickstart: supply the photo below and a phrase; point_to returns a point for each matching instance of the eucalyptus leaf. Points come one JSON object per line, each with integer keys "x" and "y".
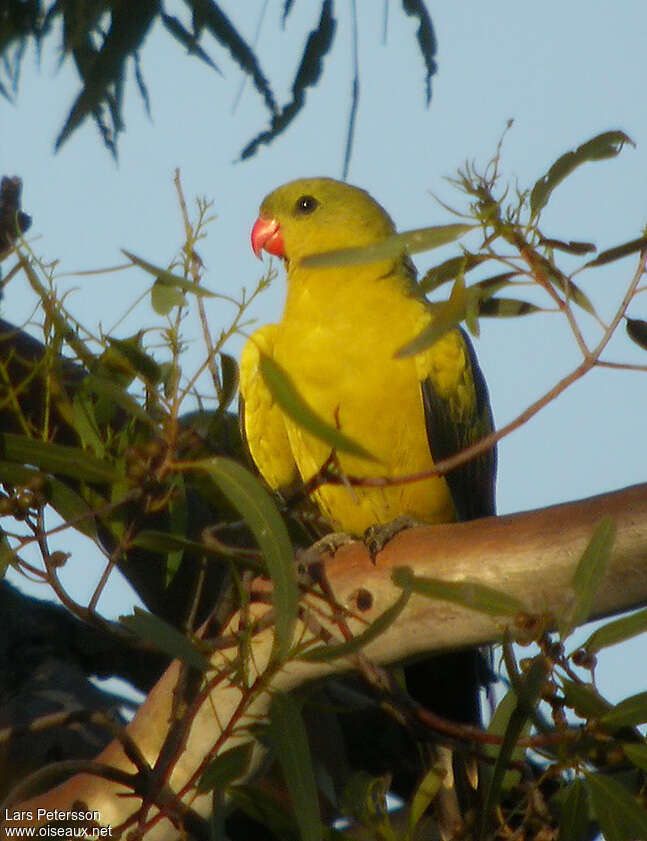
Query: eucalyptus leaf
{"x": 164, "y": 637}
{"x": 447, "y": 316}
{"x": 620, "y": 816}
{"x": 574, "y": 813}
{"x": 226, "y": 768}
{"x": 288, "y": 398}
{"x": 617, "y": 631}
{"x": 394, "y": 246}
{"x": 628, "y": 713}
{"x": 606, "y": 145}
{"x": 58, "y": 459}
{"x": 637, "y": 331}
{"x": 618, "y": 252}
{"x": 167, "y": 278}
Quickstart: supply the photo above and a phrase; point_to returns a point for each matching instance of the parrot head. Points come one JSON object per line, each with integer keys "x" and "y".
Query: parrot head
{"x": 314, "y": 215}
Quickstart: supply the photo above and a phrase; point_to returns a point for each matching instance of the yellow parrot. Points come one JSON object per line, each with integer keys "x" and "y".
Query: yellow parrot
{"x": 337, "y": 341}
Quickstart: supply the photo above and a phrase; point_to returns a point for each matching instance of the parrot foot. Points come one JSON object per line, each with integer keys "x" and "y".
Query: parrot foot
{"x": 376, "y": 537}
{"x": 308, "y": 560}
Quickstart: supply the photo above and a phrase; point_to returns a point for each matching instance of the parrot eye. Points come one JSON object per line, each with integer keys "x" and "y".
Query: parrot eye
{"x": 305, "y": 205}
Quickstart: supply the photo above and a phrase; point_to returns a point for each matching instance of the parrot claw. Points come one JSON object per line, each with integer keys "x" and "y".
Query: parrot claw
{"x": 309, "y": 560}
{"x": 376, "y": 537}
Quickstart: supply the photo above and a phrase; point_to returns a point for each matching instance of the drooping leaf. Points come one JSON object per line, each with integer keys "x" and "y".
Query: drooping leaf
{"x": 396, "y": 245}
{"x": 606, "y": 145}
{"x": 617, "y": 631}
{"x": 589, "y": 574}
{"x": 164, "y": 637}
{"x": 286, "y": 395}
{"x": 620, "y": 816}
{"x": 470, "y": 594}
{"x": 208, "y": 14}
{"x": 255, "y": 504}
{"x": 308, "y": 73}
{"x": 289, "y": 740}
{"x": 637, "y": 331}
{"x": 426, "y": 39}
{"x": 189, "y": 40}
{"x": 229, "y": 381}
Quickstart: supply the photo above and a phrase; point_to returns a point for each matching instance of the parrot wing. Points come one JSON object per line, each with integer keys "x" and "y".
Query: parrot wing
{"x": 454, "y": 423}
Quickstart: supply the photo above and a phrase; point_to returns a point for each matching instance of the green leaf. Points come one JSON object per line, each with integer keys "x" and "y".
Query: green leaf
{"x": 164, "y": 637}
{"x": 628, "y": 713}
{"x": 618, "y": 252}
{"x": 620, "y": 816}
{"x": 248, "y": 496}
{"x": 636, "y": 754}
{"x": 528, "y": 694}
{"x": 450, "y": 270}
{"x": 105, "y": 387}
{"x": 163, "y": 542}
{"x": 167, "y": 278}
{"x": 229, "y": 376}
{"x": 498, "y": 727}
{"x": 590, "y": 574}
{"x": 424, "y": 795}
{"x": 446, "y": 317}
{"x": 582, "y": 698}
{"x": 574, "y": 813}
{"x": 394, "y": 246}
{"x": 286, "y": 395}
{"x": 606, "y": 145}
{"x": 138, "y": 358}
{"x": 637, "y": 331}
{"x": 507, "y": 308}
{"x": 346, "y": 649}
{"x": 164, "y": 298}
{"x": 226, "y": 768}
{"x": 56, "y": 458}
{"x": 287, "y": 735}
{"x": 617, "y": 631}
{"x": 470, "y": 594}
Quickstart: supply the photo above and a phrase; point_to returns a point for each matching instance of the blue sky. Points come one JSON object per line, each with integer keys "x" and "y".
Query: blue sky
{"x": 563, "y": 71}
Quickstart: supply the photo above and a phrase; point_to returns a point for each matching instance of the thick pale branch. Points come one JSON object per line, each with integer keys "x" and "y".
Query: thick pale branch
{"x": 531, "y": 556}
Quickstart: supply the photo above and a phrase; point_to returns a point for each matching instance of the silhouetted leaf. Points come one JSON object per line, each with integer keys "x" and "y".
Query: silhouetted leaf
{"x": 286, "y": 395}
{"x": 210, "y": 15}
{"x": 249, "y": 497}
{"x": 617, "y": 631}
{"x": 289, "y": 740}
{"x": 426, "y": 38}
{"x": 606, "y": 145}
{"x": 620, "y": 816}
{"x": 129, "y": 23}
{"x": 317, "y": 46}
{"x": 637, "y": 331}
{"x": 164, "y": 637}
{"x": 229, "y": 381}
{"x": 187, "y": 39}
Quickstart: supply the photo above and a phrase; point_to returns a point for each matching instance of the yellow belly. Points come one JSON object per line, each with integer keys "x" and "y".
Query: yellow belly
{"x": 347, "y": 372}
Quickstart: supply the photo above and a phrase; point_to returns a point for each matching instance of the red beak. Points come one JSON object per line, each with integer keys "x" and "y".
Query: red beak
{"x": 266, "y": 235}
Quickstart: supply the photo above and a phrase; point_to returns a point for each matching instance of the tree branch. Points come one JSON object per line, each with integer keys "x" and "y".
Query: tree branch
{"x": 530, "y": 556}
